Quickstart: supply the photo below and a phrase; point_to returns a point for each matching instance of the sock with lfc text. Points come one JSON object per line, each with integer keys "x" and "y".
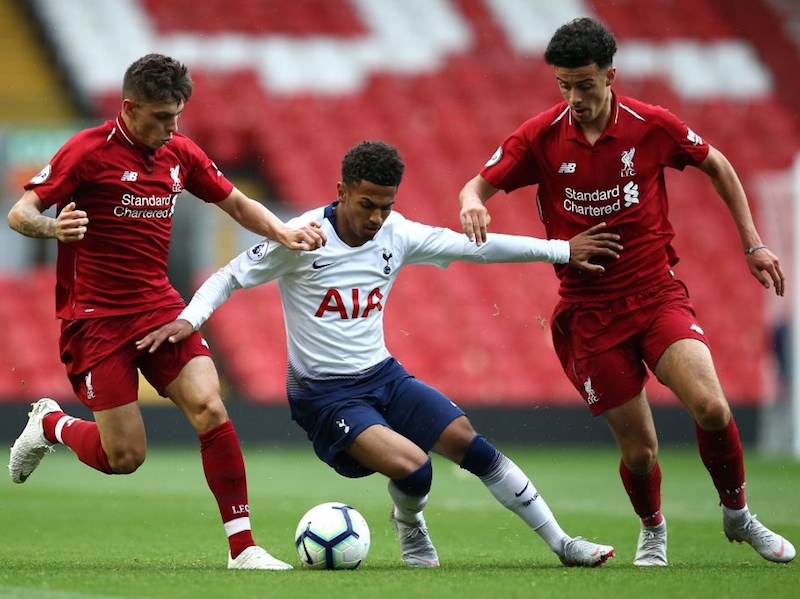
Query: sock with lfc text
{"x": 723, "y": 457}
{"x": 644, "y": 491}
{"x": 81, "y": 436}
{"x": 223, "y": 465}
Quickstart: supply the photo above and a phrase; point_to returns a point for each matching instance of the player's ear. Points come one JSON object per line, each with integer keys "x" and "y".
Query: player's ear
{"x": 611, "y": 76}
{"x": 127, "y": 106}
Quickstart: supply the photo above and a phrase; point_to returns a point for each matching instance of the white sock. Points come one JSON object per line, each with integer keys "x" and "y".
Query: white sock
{"x": 407, "y": 508}
{"x": 62, "y": 422}
{"x": 514, "y": 490}
{"x": 236, "y": 525}
{"x": 735, "y": 514}
{"x": 553, "y": 535}
{"x": 660, "y": 527}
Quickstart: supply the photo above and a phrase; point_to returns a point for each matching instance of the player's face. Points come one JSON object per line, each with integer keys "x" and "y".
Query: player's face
{"x": 587, "y": 90}
{"x": 362, "y": 209}
{"x": 152, "y": 123}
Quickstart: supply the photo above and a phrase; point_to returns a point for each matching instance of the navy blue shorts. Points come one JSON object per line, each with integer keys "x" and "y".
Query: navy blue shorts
{"x": 334, "y": 412}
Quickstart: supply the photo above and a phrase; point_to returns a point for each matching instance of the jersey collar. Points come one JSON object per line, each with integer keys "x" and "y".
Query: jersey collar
{"x": 611, "y": 127}
{"x": 331, "y": 215}
{"x": 127, "y": 138}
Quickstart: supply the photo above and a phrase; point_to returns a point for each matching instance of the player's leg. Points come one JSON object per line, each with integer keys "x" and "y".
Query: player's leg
{"x": 594, "y": 345}
{"x": 632, "y": 427}
{"x": 687, "y": 368}
{"x": 114, "y": 443}
{"x": 410, "y": 474}
{"x": 196, "y": 391}
{"x": 514, "y": 490}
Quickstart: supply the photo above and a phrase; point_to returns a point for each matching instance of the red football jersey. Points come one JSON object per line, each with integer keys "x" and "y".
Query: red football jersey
{"x": 128, "y": 192}
{"x": 619, "y": 180}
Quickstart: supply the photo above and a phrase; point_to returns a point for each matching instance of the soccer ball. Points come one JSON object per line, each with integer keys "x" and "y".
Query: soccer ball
{"x": 332, "y": 536}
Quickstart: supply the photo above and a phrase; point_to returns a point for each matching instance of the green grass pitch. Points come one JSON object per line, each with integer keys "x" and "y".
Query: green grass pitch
{"x": 71, "y": 533}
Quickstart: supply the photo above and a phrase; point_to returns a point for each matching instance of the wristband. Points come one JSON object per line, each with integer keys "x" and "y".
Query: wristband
{"x": 755, "y": 248}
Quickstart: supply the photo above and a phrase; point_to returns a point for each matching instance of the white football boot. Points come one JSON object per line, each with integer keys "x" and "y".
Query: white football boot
{"x": 415, "y": 544}
{"x": 30, "y": 447}
{"x": 652, "y": 547}
{"x": 579, "y": 552}
{"x": 256, "y": 558}
{"x": 769, "y": 545}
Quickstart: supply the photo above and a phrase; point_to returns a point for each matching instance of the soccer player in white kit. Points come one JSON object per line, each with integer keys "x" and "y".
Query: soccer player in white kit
{"x": 361, "y": 409}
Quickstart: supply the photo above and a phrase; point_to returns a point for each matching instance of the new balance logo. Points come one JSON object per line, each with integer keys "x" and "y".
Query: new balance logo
{"x": 567, "y": 168}
{"x": 129, "y": 176}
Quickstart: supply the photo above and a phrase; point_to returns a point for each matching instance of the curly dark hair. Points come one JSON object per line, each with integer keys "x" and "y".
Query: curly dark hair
{"x": 157, "y": 78}
{"x": 579, "y": 43}
{"x": 373, "y": 161}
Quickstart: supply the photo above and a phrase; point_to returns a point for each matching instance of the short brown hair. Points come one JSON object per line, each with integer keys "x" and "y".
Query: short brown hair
{"x": 157, "y": 78}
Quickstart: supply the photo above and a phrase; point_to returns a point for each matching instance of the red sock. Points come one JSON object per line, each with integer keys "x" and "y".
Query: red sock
{"x": 82, "y": 437}
{"x": 223, "y": 465}
{"x": 722, "y": 454}
{"x": 644, "y": 491}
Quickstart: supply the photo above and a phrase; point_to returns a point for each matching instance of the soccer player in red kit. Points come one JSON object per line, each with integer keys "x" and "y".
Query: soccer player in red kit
{"x": 599, "y": 156}
{"x": 114, "y": 188}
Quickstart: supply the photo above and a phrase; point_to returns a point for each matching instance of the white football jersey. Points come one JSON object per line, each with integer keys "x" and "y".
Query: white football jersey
{"x": 333, "y": 297}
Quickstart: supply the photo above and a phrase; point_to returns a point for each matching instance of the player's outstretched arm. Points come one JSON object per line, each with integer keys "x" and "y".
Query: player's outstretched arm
{"x": 594, "y": 242}
{"x": 211, "y": 295}
{"x": 174, "y": 331}
{"x": 257, "y": 218}
{"x": 26, "y": 217}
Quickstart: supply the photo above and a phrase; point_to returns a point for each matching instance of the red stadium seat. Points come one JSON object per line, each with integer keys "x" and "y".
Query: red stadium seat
{"x": 30, "y": 367}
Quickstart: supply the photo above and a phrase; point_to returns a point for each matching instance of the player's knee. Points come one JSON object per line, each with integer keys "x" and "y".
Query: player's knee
{"x": 479, "y": 456}
{"x": 207, "y": 414}
{"x": 640, "y": 459}
{"x": 417, "y": 482}
{"x": 713, "y": 414}
{"x": 126, "y": 462}
{"x": 455, "y": 440}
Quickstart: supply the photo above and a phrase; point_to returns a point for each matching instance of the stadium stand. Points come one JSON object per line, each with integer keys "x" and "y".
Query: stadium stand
{"x": 32, "y": 91}
{"x": 29, "y": 339}
{"x": 445, "y": 89}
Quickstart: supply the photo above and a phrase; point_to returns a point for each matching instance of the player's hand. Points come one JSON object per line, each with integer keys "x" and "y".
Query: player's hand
{"x": 307, "y": 237}
{"x": 764, "y": 261}
{"x": 174, "y": 331}
{"x": 593, "y": 243}
{"x": 475, "y": 219}
{"x": 71, "y": 224}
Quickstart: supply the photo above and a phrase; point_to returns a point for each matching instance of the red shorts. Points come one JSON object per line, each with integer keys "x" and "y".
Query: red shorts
{"x": 103, "y": 363}
{"x": 605, "y": 346}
